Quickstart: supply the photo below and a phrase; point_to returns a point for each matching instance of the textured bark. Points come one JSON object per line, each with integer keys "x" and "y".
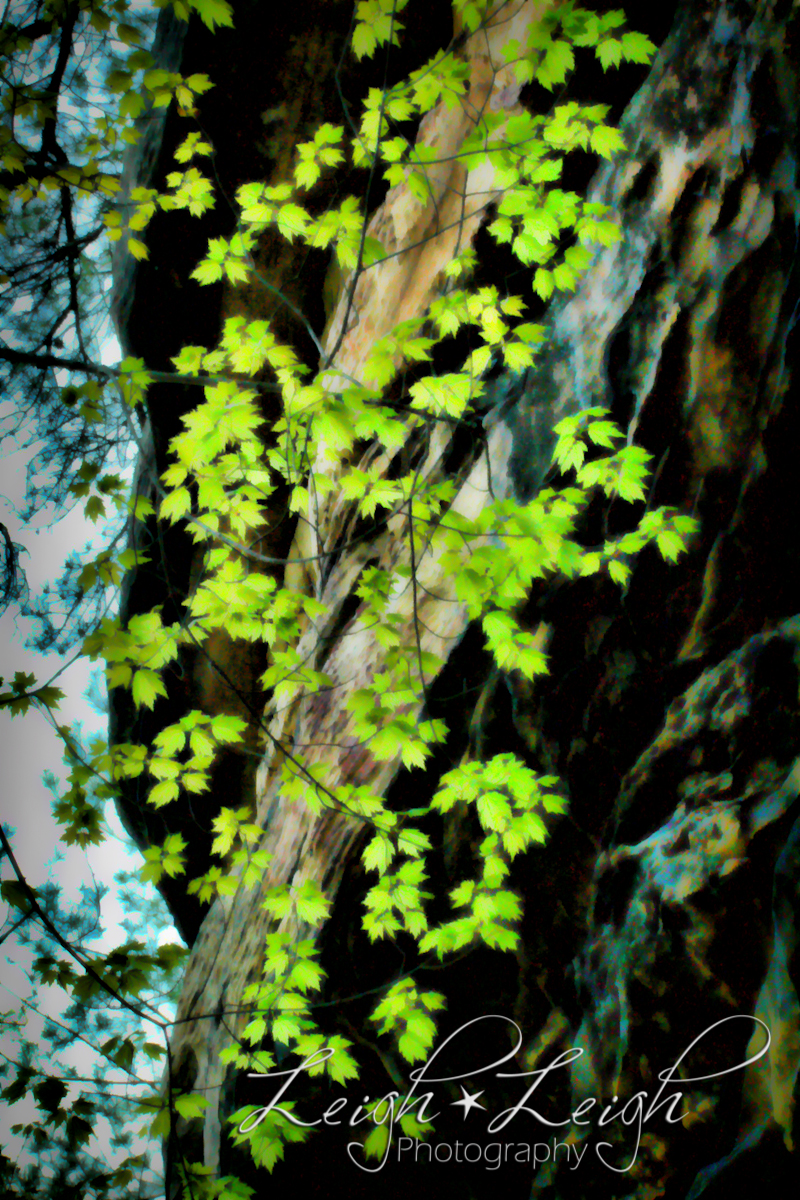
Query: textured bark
{"x": 266, "y": 99}
{"x": 316, "y": 728}
{"x": 666, "y": 901}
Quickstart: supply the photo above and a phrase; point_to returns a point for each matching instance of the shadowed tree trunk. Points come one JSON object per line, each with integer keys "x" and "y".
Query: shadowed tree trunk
{"x": 665, "y": 902}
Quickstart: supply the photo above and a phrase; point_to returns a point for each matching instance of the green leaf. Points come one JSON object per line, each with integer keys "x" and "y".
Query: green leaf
{"x": 164, "y": 793}
{"x": 637, "y": 47}
{"x": 137, "y": 249}
{"x": 374, "y": 251}
{"x": 557, "y": 63}
{"x": 278, "y": 902}
{"x": 285, "y": 1029}
{"x": 670, "y": 545}
{"x": 292, "y": 220}
{"x": 610, "y": 53}
{"x": 213, "y": 12}
{"x": 606, "y": 141}
{"x": 146, "y": 686}
{"x": 378, "y": 854}
{"x": 311, "y": 903}
{"x": 375, "y": 1144}
{"x": 619, "y": 572}
{"x": 190, "y": 1107}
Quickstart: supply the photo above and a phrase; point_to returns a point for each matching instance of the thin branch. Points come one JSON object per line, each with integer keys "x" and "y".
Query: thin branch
{"x": 37, "y": 911}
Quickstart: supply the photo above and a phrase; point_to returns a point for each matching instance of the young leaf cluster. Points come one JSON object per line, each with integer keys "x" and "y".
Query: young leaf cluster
{"x": 227, "y": 473}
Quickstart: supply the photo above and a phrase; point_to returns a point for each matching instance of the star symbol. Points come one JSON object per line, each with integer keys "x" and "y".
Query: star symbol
{"x": 468, "y": 1102}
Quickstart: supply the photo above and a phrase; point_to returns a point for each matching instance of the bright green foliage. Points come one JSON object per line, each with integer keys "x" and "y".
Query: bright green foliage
{"x": 406, "y": 1013}
{"x": 267, "y": 1137}
{"x": 223, "y": 475}
{"x": 494, "y": 558}
{"x": 376, "y": 24}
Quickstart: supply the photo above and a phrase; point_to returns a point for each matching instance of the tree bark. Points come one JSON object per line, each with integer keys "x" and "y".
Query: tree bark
{"x": 665, "y": 903}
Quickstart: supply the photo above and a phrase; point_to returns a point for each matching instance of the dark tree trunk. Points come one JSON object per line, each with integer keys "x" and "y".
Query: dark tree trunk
{"x": 665, "y": 903}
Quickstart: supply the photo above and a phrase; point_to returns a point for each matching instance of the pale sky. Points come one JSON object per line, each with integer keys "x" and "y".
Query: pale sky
{"x": 29, "y": 747}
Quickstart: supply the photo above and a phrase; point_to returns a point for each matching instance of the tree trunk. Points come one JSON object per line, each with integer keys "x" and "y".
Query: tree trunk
{"x": 664, "y": 904}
